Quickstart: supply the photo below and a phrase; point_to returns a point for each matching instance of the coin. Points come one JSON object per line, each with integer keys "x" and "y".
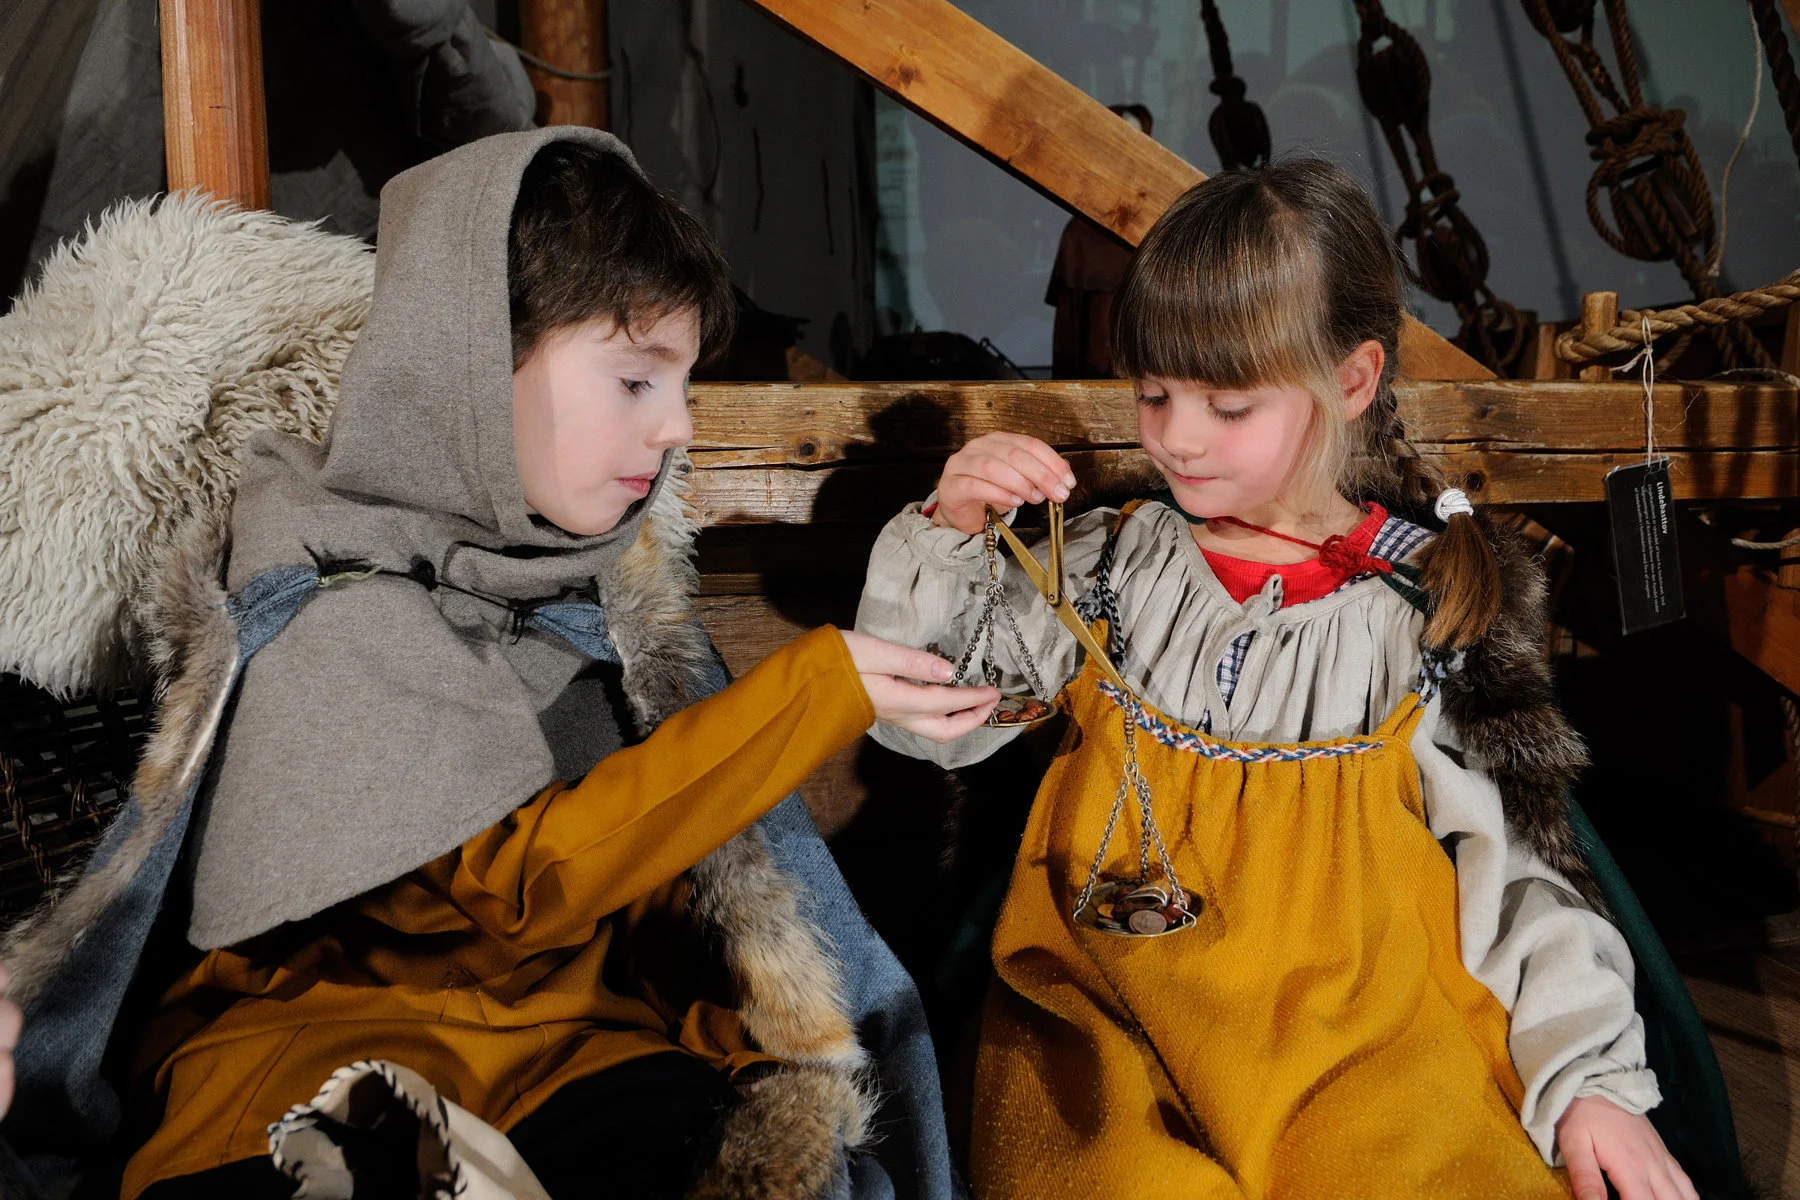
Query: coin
{"x": 1148, "y": 922}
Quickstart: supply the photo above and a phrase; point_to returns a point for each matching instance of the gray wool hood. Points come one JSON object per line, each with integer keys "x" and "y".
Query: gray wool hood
{"x": 391, "y": 721}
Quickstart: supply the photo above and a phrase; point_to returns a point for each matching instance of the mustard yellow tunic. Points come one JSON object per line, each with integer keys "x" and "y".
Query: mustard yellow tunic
{"x": 1315, "y": 1036}
{"x": 510, "y": 966}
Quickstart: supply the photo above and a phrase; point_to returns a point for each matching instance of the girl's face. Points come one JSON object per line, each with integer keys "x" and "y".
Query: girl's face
{"x": 1227, "y": 453}
{"x": 594, "y": 410}
{"x": 1222, "y": 452}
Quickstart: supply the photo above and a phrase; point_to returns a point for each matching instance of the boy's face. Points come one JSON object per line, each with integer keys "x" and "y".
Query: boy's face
{"x": 594, "y": 409}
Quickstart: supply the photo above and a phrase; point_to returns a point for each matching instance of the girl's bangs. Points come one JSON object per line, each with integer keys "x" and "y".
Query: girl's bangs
{"x": 1230, "y": 308}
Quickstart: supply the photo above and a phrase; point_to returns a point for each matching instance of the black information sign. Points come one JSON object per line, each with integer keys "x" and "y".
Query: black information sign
{"x": 1644, "y": 550}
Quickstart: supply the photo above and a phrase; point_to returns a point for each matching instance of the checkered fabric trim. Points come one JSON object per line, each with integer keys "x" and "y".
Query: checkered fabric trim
{"x": 1187, "y": 739}
{"x": 1398, "y": 538}
{"x": 1232, "y": 665}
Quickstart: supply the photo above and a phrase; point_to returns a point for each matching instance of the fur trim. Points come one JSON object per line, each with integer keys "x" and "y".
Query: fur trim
{"x": 145, "y": 354}
{"x": 200, "y": 646}
{"x": 1503, "y": 702}
{"x": 789, "y": 986}
{"x": 781, "y": 1142}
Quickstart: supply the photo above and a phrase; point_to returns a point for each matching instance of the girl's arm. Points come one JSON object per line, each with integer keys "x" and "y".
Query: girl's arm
{"x": 1561, "y": 969}
{"x": 926, "y": 586}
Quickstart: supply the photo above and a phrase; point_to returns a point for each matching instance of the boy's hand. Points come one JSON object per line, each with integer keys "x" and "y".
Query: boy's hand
{"x": 888, "y": 671}
{"x": 1597, "y": 1135}
{"x": 9, "y": 1038}
{"x": 1004, "y": 470}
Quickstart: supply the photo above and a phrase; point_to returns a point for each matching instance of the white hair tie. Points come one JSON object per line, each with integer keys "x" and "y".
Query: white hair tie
{"x": 1451, "y": 501}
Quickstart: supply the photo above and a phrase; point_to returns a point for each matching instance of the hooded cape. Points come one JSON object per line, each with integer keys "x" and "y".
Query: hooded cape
{"x": 392, "y": 720}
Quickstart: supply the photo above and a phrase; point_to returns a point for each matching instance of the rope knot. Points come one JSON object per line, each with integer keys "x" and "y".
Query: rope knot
{"x": 1636, "y": 133}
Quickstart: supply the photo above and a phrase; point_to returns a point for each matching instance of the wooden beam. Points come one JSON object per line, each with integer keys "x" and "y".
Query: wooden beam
{"x": 837, "y": 453}
{"x": 809, "y": 425}
{"x": 981, "y": 89}
{"x": 215, "y": 133}
{"x": 570, "y": 34}
{"x": 855, "y": 492}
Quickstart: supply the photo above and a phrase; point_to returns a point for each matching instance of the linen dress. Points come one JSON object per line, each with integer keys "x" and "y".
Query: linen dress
{"x": 1341, "y": 667}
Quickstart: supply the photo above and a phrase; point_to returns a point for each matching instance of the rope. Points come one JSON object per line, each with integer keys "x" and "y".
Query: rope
{"x": 1716, "y": 260}
{"x": 1781, "y": 65}
{"x": 1577, "y": 347}
{"x": 1239, "y": 131}
{"x": 1655, "y": 188}
{"x": 1451, "y": 256}
{"x": 1783, "y": 544}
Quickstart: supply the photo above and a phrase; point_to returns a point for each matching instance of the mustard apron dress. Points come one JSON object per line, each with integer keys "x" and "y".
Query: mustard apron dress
{"x": 1314, "y": 1035}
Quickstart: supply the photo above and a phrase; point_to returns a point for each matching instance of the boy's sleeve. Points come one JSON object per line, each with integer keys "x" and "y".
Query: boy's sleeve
{"x": 1563, "y": 971}
{"x": 926, "y": 586}
{"x": 546, "y": 874}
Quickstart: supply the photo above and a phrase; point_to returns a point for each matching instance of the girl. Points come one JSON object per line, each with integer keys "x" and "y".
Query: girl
{"x": 1340, "y": 945}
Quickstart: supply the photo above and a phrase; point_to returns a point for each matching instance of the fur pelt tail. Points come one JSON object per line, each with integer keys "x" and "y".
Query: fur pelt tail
{"x": 1503, "y": 702}
{"x": 784, "y": 1141}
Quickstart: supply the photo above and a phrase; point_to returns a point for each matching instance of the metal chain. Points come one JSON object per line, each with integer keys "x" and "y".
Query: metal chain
{"x": 1112, "y": 821}
{"x": 995, "y": 602}
{"x": 1132, "y": 781}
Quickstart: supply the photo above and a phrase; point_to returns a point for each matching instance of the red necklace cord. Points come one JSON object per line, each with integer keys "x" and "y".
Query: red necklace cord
{"x": 1335, "y": 552}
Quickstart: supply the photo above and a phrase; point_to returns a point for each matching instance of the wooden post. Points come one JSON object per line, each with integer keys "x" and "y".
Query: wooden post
{"x": 570, "y": 34}
{"x": 1599, "y": 313}
{"x": 215, "y": 133}
{"x": 1790, "y": 337}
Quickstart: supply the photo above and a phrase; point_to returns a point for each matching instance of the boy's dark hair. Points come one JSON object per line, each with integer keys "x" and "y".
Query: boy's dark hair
{"x": 591, "y": 237}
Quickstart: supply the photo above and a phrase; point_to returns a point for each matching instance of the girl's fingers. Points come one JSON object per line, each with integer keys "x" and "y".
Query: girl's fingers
{"x": 1584, "y": 1169}
{"x": 1671, "y": 1182}
{"x": 1002, "y": 471}
{"x": 10, "y": 1020}
{"x": 1046, "y": 477}
{"x": 1003, "y": 490}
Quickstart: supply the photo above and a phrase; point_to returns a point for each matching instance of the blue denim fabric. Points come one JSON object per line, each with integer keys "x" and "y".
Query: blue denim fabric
{"x": 65, "y": 1111}
{"x": 580, "y": 623}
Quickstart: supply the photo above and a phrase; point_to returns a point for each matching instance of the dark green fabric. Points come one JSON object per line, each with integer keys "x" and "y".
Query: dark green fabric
{"x": 1695, "y": 1115}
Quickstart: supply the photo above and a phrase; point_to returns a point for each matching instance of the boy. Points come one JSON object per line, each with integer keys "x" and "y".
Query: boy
{"x": 496, "y": 589}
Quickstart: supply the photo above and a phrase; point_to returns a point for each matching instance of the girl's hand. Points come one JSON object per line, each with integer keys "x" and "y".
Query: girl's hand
{"x": 9, "y": 1038}
{"x": 1597, "y": 1135}
{"x": 928, "y": 709}
{"x": 1004, "y": 470}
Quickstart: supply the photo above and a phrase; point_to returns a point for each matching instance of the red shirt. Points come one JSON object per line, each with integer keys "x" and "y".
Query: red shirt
{"x": 1301, "y": 581}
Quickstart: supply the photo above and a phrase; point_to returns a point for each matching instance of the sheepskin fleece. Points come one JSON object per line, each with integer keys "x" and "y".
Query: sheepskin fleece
{"x": 147, "y": 352}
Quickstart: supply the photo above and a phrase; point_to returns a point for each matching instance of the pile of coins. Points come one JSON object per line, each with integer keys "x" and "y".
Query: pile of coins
{"x": 1019, "y": 710}
{"x": 1140, "y": 910}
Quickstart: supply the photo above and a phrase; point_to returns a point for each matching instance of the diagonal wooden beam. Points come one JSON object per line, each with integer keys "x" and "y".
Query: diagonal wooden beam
{"x": 981, "y": 89}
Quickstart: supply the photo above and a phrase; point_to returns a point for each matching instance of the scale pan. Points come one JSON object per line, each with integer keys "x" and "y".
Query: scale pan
{"x": 1020, "y": 712}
